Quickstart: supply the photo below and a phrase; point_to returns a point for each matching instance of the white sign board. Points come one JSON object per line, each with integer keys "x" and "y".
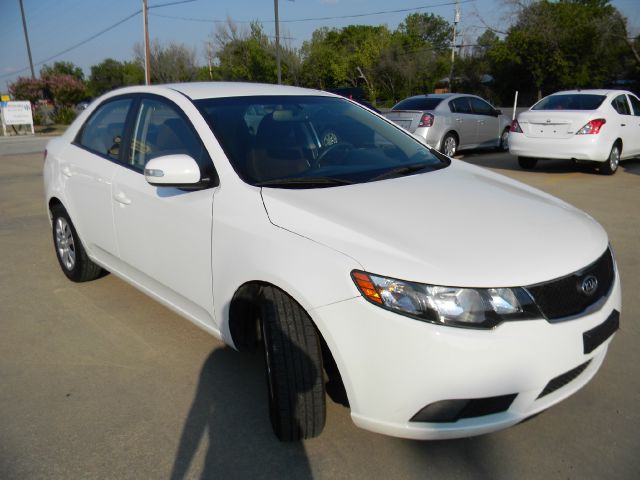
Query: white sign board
{"x": 16, "y": 113}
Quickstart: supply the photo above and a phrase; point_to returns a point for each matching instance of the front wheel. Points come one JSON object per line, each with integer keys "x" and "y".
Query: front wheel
{"x": 293, "y": 359}
{"x": 72, "y": 257}
{"x": 527, "y": 163}
{"x": 610, "y": 166}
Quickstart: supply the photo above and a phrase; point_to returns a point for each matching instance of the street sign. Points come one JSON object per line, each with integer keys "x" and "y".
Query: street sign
{"x": 16, "y": 113}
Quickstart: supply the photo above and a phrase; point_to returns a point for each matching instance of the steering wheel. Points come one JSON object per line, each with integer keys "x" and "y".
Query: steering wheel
{"x": 342, "y": 147}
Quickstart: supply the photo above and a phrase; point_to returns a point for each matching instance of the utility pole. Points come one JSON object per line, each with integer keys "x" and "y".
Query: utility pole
{"x": 456, "y": 20}
{"x": 147, "y": 52}
{"x": 26, "y": 37}
{"x": 275, "y": 8}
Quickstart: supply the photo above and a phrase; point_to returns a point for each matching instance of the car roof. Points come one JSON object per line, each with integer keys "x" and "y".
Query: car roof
{"x": 200, "y": 90}
{"x": 592, "y": 91}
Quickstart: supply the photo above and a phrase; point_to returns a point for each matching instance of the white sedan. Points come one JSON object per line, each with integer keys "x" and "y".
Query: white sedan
{"x": 600, "y": 127}
{"x": 348, "y": 263}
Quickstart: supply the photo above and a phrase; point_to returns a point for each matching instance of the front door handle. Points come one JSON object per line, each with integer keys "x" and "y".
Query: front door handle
{"x": 623, "y": 124}
{"x": 120, "y": 197}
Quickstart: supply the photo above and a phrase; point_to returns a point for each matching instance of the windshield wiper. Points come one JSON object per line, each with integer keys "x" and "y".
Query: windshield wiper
{"x": 401, "y": 171}
{"x": 303, "y": 182}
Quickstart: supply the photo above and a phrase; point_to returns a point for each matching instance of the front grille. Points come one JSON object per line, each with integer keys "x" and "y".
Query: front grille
{"x": 564, "y": 379}
{"x": 564, "y": 297}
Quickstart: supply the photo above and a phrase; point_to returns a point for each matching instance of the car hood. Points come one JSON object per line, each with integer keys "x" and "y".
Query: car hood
{"x": 459, "y": 226}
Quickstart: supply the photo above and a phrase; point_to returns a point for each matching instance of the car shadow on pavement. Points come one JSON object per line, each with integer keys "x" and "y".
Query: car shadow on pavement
{"x": 631, "y": 166}
{"x": 230, "y": 415}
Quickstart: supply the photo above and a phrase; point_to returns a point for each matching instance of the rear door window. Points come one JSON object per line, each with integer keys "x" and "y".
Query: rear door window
{"x": 621, "y": 105}
{"x": 635, "y": 103}
{"x": 461, "y": 105}
{"x": 103, "y": 132}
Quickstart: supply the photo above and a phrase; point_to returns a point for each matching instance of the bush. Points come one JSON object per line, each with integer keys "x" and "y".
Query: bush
{"x": 64, "y": 115}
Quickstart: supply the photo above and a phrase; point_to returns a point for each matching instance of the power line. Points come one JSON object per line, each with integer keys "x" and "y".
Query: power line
{"x": 313, "y": 19}
{"x": 76, "y": 45}
{"x": 94, "y": 36}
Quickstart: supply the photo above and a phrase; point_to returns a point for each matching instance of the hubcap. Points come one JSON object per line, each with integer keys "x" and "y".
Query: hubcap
{"x": 614, "y": 158}
{"x": 450, "y": 147}
{"x": 64, "y": 243}
{"x": 505, "y": 140}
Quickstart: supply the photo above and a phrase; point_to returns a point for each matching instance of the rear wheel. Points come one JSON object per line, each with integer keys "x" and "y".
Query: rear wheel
{"x": 72, "y": 257}
{"x": 503, "y": 146}
{"x": 527, "y": 163}
{"x": 449, "y": 145}
{"x": 610, "y": 166}
{"x": 293, "y": 359}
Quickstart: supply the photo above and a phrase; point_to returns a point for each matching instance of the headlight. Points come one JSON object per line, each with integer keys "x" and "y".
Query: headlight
{"x": 459, "y": 307}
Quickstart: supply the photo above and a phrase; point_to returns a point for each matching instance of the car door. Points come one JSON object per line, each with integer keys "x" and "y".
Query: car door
{"x": 164, "y": 233}
{"x": 88, "y": 168}
{"x": 634, "y": 124}
{"x": 487, "y": 123}
{"x": 624, "y": 124}
{"x": 464, "y": 122}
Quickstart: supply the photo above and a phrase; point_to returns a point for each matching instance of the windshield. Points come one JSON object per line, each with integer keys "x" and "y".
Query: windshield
{"x": 417, "y": 103}
{"x": 312, "y": 141}
{"x": 570, "y": 101}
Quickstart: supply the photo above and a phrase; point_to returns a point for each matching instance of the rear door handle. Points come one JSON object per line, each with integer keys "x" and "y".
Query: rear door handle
{"x": 623, "y": 124}
{"x": 120, "y": 197}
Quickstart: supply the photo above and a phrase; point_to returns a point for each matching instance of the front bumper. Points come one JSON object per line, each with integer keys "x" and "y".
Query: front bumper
{"x": 592, "y": 148}
{"x": 393, "y": 366}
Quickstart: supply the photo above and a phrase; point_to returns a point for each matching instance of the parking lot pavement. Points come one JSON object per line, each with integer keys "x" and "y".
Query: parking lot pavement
{"x": 23, "y": 144}
{"x": 99, "y": 381}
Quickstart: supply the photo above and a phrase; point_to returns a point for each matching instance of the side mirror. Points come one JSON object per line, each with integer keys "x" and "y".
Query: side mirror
{"x": 498, "y": 112}
{"x": 177, "y": 170}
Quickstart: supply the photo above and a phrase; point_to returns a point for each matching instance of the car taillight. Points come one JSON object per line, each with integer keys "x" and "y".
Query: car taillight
{"x": 592, "y": 128}
{"x": 426, "y": 120}
{"x": 515, "y": 127}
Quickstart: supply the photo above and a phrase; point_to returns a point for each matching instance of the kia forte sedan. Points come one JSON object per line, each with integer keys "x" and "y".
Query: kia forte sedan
{"x": 426, "y": 294}
{"x": 598, "y": 127}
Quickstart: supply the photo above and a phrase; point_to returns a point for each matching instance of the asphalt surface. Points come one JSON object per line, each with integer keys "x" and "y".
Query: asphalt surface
{"x": 99, "y": 381}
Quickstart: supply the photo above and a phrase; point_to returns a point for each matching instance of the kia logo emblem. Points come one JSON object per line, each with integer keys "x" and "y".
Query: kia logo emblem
{"x": 589, "y": 285}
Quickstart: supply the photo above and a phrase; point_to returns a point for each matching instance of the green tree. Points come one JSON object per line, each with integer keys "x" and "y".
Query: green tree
{"x": 110, "y": 74}
{"x": 62, "y": 68}
{"x": 563, "y": 44}
{"x": 174, "y": 62}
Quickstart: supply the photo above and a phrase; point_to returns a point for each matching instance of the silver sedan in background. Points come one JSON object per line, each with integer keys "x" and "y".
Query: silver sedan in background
{"x": 450, "y": 122}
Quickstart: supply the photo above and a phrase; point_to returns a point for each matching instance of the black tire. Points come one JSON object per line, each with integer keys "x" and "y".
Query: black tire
{"x": 527, "y": 163}
{"x": 610, "y": 166}
{"x": 449, "y": 145}
{"x": 71, "y": 255}
{"x": 503, "y": 144}
{"x": 293, "y": 358}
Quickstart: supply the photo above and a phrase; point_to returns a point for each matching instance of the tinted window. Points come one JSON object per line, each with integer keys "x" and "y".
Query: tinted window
{"x": 621, "y": 105}
{"x": 480, "y": 107}
{"x": 160, "y": 130}
{"x": 104, "y": 130}
{"x": 418, "y": 103}
{"x": 310, "y": 140}
{"x": 461, "y": 105}
{"x": 636, "y": 105}
{"x": 570, "y": 101}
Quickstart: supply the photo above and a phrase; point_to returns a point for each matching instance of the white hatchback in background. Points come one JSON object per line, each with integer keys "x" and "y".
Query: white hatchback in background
{"x": 348, "y": 262}
{"x": 596, "y": 126}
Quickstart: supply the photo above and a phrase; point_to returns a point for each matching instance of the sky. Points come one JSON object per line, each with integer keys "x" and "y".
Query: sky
{"x": 56, "y": 26}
